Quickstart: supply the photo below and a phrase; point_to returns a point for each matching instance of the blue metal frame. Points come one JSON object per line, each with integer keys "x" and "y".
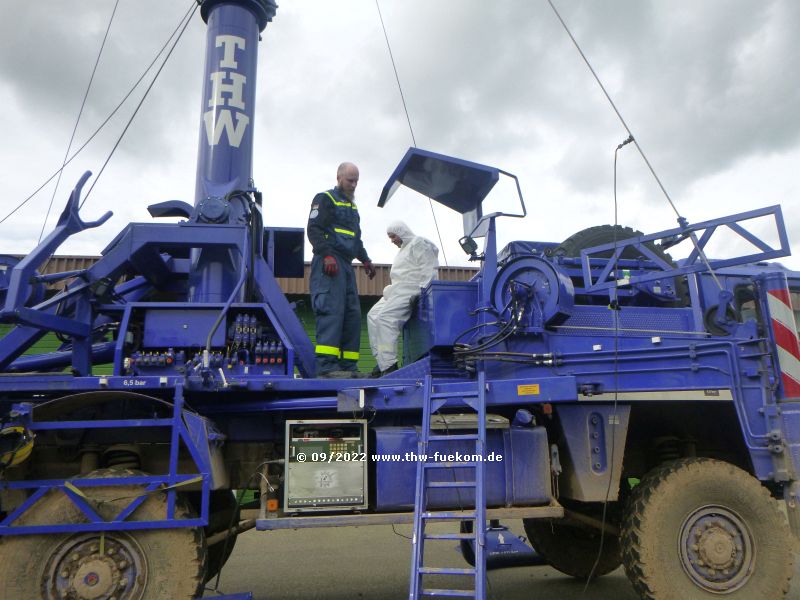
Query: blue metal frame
{"x": 607, "y": 279}
{"x": 458, "y": 184}
{"x": 552, "y": 339}
{"x": 138, "y": 246}
{"x": 549, "y": 343}
{"x": 185, "y": 427}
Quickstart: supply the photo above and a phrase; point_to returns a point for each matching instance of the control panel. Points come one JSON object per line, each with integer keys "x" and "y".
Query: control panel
{"x": 326, "y": 465}
{"x": 172, "y": 341}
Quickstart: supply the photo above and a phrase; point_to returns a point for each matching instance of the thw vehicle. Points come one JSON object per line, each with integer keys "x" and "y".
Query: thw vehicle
{"x": 630, "y": 409}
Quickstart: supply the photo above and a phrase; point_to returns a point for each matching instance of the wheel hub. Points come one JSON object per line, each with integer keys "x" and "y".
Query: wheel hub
{"x": 716, "y": 549}
{"x": 95, "y": 577}
{"x": 84, "y": 567}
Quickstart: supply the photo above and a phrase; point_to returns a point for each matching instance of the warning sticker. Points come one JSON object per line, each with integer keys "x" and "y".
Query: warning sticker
{"x": 530, "y": 389}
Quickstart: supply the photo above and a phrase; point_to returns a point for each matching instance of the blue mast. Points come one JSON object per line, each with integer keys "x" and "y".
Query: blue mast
{"x": 225, "y": 149}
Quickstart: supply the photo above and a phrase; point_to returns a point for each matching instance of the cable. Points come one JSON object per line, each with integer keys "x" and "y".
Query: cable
{"x": 396, "y": 76}
{"x": 235, "y": 512}
{"x": 408, "y": 119}
{"x": 470, "y": 354}
{"x": 614, "y": 106}
{"x": 103, "y": 124}
{"x": 77, "y": 120}
{"x": 630, "y": 139}
{"x": 397, "y": 533}
{"x": 488, "y": 342}
{"x": 141, "y": 101}
{"x": 480, "y": 325}
{"x": 74, "y": 130}
{"x": 616, "y": 309}
{"x": 474, "y": 328}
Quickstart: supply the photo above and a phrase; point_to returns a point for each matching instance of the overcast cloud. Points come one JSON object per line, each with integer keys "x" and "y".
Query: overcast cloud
{"x": 708, "y": 88}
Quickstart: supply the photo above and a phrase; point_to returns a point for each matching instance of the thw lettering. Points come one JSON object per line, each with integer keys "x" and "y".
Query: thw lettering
{"x": 227, "y": 90}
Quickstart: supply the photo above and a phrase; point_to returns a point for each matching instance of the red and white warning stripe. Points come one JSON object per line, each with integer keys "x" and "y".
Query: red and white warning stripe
{"x": 785, "y": 331}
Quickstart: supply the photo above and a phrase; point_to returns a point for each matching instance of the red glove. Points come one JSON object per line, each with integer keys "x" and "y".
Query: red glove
{"x": 330, "y": 267}
{"x": 369, "y": 269}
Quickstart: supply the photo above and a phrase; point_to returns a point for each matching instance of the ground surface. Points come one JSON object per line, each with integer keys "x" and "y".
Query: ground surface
{"x": 372, "y": 563}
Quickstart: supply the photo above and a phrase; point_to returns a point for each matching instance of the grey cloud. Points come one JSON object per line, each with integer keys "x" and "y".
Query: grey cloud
{"x": 704, "y": 86}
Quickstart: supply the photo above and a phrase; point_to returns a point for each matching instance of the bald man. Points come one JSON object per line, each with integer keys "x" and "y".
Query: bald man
{"x": 334, "y": 231}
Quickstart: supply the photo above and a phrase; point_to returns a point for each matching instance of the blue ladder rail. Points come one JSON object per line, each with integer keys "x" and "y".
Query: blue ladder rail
{"x": 423, "y": 515}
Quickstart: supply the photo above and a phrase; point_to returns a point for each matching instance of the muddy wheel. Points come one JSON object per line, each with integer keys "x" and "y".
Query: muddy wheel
{"x": 223, "y": 513}
{"x": 573, "y": 549}
{"x": 704, "y": 529}
{"x": 136, "y": 565}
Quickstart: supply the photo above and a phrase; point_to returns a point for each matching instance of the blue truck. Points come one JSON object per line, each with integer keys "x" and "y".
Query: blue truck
{"x": 630, "y": 409}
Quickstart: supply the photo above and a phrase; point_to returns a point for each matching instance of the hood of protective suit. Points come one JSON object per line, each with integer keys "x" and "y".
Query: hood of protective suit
{"x": 401, "y": 230}
{"x": 415, "y": 264}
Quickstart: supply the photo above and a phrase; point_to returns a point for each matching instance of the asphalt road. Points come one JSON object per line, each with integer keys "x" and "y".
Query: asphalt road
{"x": 372, "y": 563}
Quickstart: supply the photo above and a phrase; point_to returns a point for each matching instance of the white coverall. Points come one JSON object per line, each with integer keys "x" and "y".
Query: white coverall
{"x": 414, "y": 266}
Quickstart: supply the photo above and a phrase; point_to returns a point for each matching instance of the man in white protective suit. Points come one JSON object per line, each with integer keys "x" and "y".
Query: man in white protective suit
{"x": 413, "y": 268}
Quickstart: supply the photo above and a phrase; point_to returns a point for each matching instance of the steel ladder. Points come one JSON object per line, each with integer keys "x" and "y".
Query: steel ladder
{"x": 473, "y": 397}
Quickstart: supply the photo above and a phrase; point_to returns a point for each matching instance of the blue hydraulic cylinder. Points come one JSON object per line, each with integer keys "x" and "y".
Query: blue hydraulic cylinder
{"x": 225, "y": 148}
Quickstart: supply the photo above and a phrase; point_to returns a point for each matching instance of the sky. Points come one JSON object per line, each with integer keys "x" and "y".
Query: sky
{"x": 709, "y": 89}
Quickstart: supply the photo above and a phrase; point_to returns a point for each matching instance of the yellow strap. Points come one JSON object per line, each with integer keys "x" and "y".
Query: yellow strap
{"x": 327, "y": 350}
{"x": 75, "y": 490}
{"x": 337, "y": 203}
{"x": 71, "y": 487}
{"x": 344, "y": 231}
{"x": 349, "y": 355}
{"x": 197, "y": 479}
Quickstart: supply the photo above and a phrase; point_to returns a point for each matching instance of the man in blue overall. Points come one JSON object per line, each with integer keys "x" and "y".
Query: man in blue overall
{"x": 335, "y": 235}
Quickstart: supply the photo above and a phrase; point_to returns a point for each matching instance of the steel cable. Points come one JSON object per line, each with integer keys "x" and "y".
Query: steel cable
{"x": 77, "y": 121}
{"x": 408, "y": 119}
{"x": 108, "y": 118}
{"x": 681, "y": 220}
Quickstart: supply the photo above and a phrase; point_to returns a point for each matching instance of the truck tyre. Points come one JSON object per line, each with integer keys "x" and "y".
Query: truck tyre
{"x": 573, "y": 549}
{"x": 606, "y": 234}
{"x": 134, "y": 565}
{"x": 598, "y": 235}
{"x": 223, "y": 513}
{"x": 704, "y": 529}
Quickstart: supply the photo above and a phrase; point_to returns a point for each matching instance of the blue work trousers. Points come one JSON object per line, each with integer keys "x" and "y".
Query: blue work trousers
{"x": 338, "y": 314}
